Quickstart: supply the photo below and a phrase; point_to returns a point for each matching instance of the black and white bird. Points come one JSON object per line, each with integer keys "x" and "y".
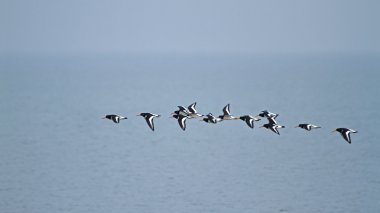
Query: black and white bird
{"x": 271, "y": 120}
{"x": 249, "y": 120}
{"x": 181, "y": 120}
{"x": 227, "y": 114}
{"x": 115, "y": 118}
{"x": 211, "y": 119}
{"x": 267, "y": 114}
{"x": 346, "y": 133}
{"x": 193, "y": 112}
{"x": 272, "y": 125}
{"x": 149, "y": 119}
{"x": 181, "y": 111}
{"x": 308, "y": 127}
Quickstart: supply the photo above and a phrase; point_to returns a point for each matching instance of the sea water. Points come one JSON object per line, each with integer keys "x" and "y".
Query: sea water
{"x": 58, "y": 155}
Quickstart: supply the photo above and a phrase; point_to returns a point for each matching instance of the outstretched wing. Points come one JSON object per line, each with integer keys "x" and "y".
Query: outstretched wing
{"x": 273, "y": 115}
{"x": 149, "y": 121}
{"x": 346, "y": 135}
{"x": 192, "y": 108}
{"x": 274, "y": 129}
{"x": 115, "y": 119}
{"x": 307, "y": 127}
{"x": 182, "y": 122}
{"x": 249, "y": 121}
{"x": 182, "y": 108}
{"x": 226, "y": 110}
{"x": 271, "y": 121}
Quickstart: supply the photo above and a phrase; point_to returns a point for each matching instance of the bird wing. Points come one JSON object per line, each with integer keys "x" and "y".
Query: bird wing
{"x": 182, "y": 122}
{"x": 273, "y": 115}
{"x": 192, "y": 108}
{"x": 271, "y": 120}
{"x": 308, "y": 127}
{"x": 226, "y": 110}
{"x": 346, "y": 135}
{"x": 149, "y": 121}
{"x": 249, "y": 121}
{"x": 182, "y": 108}
{"x": 274, "y": 129}
{"x": 115, "y": 119}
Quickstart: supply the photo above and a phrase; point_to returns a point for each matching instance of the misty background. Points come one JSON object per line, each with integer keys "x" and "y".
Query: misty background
{"x": 51, "y": 27}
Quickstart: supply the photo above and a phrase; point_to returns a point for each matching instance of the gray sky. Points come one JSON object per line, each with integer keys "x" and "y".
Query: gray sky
{"x": 220, "y": 26}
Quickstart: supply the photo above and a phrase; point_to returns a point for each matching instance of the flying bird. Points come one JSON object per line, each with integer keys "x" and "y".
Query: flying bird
{"x": 181, "y": 120}
{"x": 308, "y": 127}
{"x": 271, "y": 120}
{"x": 346, "y": 133}
{"x": 267, "y": 114}
{"x": 181, "y": 111}
{"x": 249, "y": 120}
{"x": 211, "y": 119}
{"x": 115, "y": 118}
{"x": 227, "y": 114}
{"x": 272, "y": 125}
{"x": 149, "y": 119}
{"x": 193, "y": 112}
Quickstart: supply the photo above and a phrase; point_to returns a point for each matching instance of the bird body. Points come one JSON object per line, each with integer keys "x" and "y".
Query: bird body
{"x": 346, "y": 133}
{"x": 149, "y": 119}
{"x": 181, "y": 120}
{"x": 193, "y": 112}
{"x": 114, "y": 118}
{"x": 307, "y": 127}
{"x": 249, "y": 120}
{"x": 227, "y": 114}
{"x": 267, "y": 114}
{"x": 211, "y": 119}
{"x": 273, "y": 127}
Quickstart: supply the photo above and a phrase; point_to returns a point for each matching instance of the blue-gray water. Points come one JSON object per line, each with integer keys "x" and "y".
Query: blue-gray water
{"x": 57, "y": 155}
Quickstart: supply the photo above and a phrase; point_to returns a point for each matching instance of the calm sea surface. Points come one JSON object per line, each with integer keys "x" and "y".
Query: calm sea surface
{"x": 57, "y": 155}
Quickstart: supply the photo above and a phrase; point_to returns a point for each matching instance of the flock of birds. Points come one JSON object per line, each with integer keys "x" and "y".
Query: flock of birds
{"x": 183, "y": 113}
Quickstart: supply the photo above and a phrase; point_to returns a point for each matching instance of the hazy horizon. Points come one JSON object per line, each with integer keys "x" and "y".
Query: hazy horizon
{"x": 69, "y": 27}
